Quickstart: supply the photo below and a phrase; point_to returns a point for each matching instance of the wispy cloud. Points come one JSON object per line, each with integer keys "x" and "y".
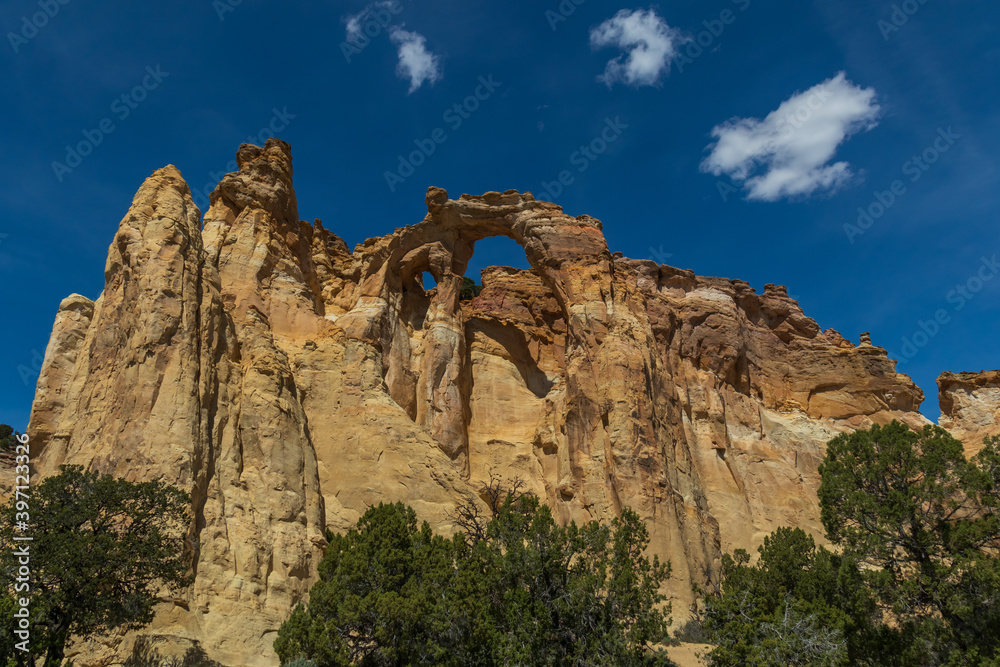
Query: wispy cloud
{"x": 788, "y": 153}
{"x": 650, "y": 43}
{"x": 353, "y": 26}
{"x": 381, "y": 12}
{"x": 416, "y": 63}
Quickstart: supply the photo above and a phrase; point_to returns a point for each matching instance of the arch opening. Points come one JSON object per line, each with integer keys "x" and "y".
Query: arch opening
{"x": 495, "y": 251}
{"x": 427, "y": 281}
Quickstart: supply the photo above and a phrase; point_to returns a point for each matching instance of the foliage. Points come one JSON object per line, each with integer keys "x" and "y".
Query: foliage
{"x": 378, "y": 598}
{"x": 518, "y": 589}
{"x": 924, "y": 522}
{"x": 916, "y": 580}
{"x": 798, "y": 605}
{"x": 102, "y": 549}
{"x": 469, "y": 289}
{"x": 569, "y": 594}
{"x": 8, "y": 439}
{"x": 9, "y": 655}
{"x": 473, "y": 519}
{"x": 692, "y": 632}
{"x": 145, "y": 654}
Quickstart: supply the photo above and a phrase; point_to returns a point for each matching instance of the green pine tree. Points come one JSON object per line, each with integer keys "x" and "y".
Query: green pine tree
{"x": 517, "y": 589}
{"x": 102, "y": 549}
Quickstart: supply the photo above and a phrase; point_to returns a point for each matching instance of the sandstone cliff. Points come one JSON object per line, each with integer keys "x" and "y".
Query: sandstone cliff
{"x": 288, "y": 383}
{"x": 970, "y": 406}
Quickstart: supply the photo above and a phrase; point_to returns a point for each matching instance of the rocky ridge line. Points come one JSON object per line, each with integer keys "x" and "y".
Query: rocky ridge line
{"x": 289, "y": 383}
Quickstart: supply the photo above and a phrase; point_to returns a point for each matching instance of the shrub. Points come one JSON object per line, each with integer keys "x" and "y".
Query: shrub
{"x": 469, "y": 289}
{"x": 520, "y": 590}
{"x": 916, "y": 576}
{"x": 102, "y": 550}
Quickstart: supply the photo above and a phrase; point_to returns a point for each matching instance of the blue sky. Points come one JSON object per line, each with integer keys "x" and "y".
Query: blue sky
{"x": 736, "y": 138}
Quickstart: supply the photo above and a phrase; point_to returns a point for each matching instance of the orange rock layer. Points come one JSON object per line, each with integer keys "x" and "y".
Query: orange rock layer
{"x": 288, "y": 383}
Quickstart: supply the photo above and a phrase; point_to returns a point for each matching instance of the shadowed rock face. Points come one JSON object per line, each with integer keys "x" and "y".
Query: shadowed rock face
{"x": 289, "y": 383}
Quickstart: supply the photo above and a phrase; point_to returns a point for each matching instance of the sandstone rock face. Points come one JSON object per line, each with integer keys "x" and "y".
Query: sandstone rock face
{"x": 289, "y": 383}
{"x": 157, "y": 380}
{"x": 970, "y": 406}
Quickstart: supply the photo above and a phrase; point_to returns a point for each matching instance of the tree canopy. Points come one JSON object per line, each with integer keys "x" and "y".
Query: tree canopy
{"x": 469, "y": 289}
{"x": 799, "y": 604}
{"x": 102, "y": 551}
{"x": 8, "y": 438}
{"x": 524, "y": 590}
{"x": 923, "y": 521}
{"x": 915, "y": 579}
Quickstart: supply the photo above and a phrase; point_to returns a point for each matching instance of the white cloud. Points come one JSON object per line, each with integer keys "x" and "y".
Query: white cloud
{"x": 651, "y": 45}
{"x": 416, "y": 63}
{"x": 788, "y": 153}
{"x": 377, "y": 13}
{"x": 353, "y": 27}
